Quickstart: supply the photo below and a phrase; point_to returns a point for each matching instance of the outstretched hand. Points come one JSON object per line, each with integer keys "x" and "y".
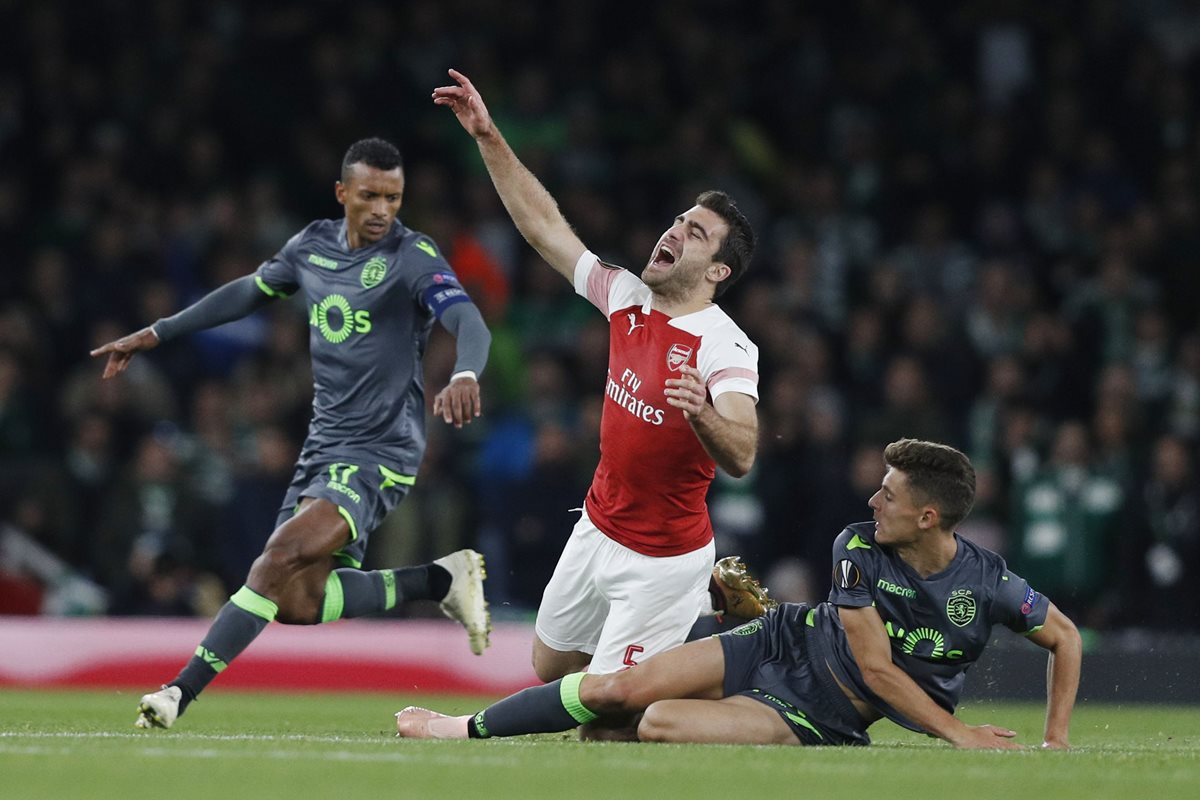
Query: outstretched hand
{"x": 987, "y": 737}
{"x": 459, "y": 402}
{"x": 464, "y": 100}
{"x": 120, "y": 352}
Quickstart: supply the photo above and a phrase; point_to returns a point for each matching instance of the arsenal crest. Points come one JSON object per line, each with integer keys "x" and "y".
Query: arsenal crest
{"x": 677, "y": 356}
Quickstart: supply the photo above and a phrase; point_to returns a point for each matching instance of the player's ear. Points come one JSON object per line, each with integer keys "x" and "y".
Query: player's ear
{"x": 930, "y": 518}
{"x": 339, "y": 191}
{"x": 718, "y": 271}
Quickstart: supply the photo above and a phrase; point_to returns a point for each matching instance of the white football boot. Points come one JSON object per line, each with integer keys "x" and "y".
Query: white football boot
{"x": 465, "y": 602}
{"x": 159, "y": 709}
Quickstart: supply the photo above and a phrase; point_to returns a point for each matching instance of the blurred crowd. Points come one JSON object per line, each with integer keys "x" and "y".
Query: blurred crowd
{"x": 979, "y": 223}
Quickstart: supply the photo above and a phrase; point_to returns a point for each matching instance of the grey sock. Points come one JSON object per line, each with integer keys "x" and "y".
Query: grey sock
{"x": 231, "y": 632}
{"x": 540, "y": 709}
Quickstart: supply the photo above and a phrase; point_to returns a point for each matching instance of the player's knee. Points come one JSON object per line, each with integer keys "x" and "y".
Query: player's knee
{"x": 300, "y": 604}
{"x": 547, "y": 670}
{"x": 656, "y": 725}
{"x": 611, "y": 694}
{"x": 550, "y": 665}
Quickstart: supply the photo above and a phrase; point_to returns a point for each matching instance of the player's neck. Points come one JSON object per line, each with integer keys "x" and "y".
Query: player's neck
{"x": 931, "y": 554}
{"x": 679, "y": 306}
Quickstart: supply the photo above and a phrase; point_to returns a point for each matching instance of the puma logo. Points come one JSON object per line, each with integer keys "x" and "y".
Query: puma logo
{"x": 633, "y": 323}
{"x": 745, "y": 349}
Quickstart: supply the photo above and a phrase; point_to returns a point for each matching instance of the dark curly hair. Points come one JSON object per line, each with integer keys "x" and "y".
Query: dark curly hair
{"x": 374, "y": 152}
{"x": 937, "y": 474}
{"x": 738, "y": 247}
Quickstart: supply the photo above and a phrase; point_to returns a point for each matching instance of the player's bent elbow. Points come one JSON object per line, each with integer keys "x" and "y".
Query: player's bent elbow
{"x": 1070, "y": 639}
{"x": 739, "y": 467}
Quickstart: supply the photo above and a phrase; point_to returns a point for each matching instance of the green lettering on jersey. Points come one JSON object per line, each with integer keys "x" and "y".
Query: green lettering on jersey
{"x": 321, "y": 261}
{"x": 899, "y": 591}
{"x": 427, "y": 248}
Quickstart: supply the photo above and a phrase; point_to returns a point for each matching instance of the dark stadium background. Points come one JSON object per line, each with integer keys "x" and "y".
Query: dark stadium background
{"x": 978, "y": 221}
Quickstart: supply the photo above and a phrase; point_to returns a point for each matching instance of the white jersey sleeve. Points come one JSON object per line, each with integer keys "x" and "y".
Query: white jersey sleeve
{"x": 728, "y": 361}
{"x": 608, "y": 287}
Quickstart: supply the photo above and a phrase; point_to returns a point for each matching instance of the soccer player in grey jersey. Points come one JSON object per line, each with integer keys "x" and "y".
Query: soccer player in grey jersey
{"x": 373, "y": 289}
{"x": 911, "y": 608}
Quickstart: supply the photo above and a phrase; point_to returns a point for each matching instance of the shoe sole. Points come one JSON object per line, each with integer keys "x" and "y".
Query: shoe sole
{"x": 148, "y": 717}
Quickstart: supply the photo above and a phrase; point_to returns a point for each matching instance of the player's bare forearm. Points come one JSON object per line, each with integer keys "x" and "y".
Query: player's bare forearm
{"x": 727, "y": 427}
{"x": 1060, "y": 636}
{"x": 532, "y": 208}
{"x": 730, "y": 443}
{"x": 869, "y": 645}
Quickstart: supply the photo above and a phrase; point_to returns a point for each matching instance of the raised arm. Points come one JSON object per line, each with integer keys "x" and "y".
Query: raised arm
{"x": 869, "y": 644}
{"x": 531, "y": 207}
{"x": 1061, "y": 638}
{"x": 232, "y": 301}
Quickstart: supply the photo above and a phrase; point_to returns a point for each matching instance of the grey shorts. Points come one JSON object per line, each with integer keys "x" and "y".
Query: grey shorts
{"x": 768, "y": 659}
{"x": 363, "y": 490}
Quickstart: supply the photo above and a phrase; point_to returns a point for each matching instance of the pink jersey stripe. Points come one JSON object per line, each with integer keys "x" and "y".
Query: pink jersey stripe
{"x": 731, "y": 372}
{"x": 599, "y": 282}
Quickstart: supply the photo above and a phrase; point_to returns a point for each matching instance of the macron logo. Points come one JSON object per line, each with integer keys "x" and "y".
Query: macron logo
{"x": 321, "y": 261}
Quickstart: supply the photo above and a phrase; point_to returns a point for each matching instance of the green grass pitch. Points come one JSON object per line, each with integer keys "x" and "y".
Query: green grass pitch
{"x": 306, "y": 746}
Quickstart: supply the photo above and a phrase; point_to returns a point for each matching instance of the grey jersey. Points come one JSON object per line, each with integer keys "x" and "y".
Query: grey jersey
{"x": 938, "y": 626}
{"x": 369, "y": 317}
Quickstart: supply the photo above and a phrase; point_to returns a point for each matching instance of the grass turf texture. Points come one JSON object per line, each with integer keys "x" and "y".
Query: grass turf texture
{"x": 262, "y": 746}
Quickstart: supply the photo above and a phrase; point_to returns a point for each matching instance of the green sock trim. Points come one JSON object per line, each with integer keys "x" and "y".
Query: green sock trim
{"x": 389, "y": 589}
{"x": 568, "y": 692}
{"x": 247, "y": 599}
{"x": 335, "y": 599}
{"x": 212, "y": 659}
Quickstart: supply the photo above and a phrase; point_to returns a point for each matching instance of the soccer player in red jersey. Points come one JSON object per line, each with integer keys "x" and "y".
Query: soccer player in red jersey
{"x": 680, "y": 401}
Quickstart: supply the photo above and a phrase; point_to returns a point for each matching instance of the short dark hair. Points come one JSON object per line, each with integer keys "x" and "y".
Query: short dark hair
{"x": 937, "y": 474}
{"x": 373, "y": 152}
{"x": 738, "y": 247}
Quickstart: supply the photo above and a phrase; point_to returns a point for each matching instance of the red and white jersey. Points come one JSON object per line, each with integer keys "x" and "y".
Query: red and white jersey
{"x": 650, "y": 486}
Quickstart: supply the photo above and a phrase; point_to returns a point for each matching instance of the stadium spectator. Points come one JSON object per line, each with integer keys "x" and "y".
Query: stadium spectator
{"x": 1065, "y": 527}
{"x": 1050, "y": 145}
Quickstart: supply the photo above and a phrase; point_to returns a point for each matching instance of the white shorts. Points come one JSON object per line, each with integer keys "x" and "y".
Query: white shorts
{"x": 620, "y": 605}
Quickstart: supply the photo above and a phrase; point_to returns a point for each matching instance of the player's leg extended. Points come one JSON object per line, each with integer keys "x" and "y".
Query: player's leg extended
{"x": 695, "y": 670}
{"x": 286, "y": 582}
{"x": 732, "y": 720}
